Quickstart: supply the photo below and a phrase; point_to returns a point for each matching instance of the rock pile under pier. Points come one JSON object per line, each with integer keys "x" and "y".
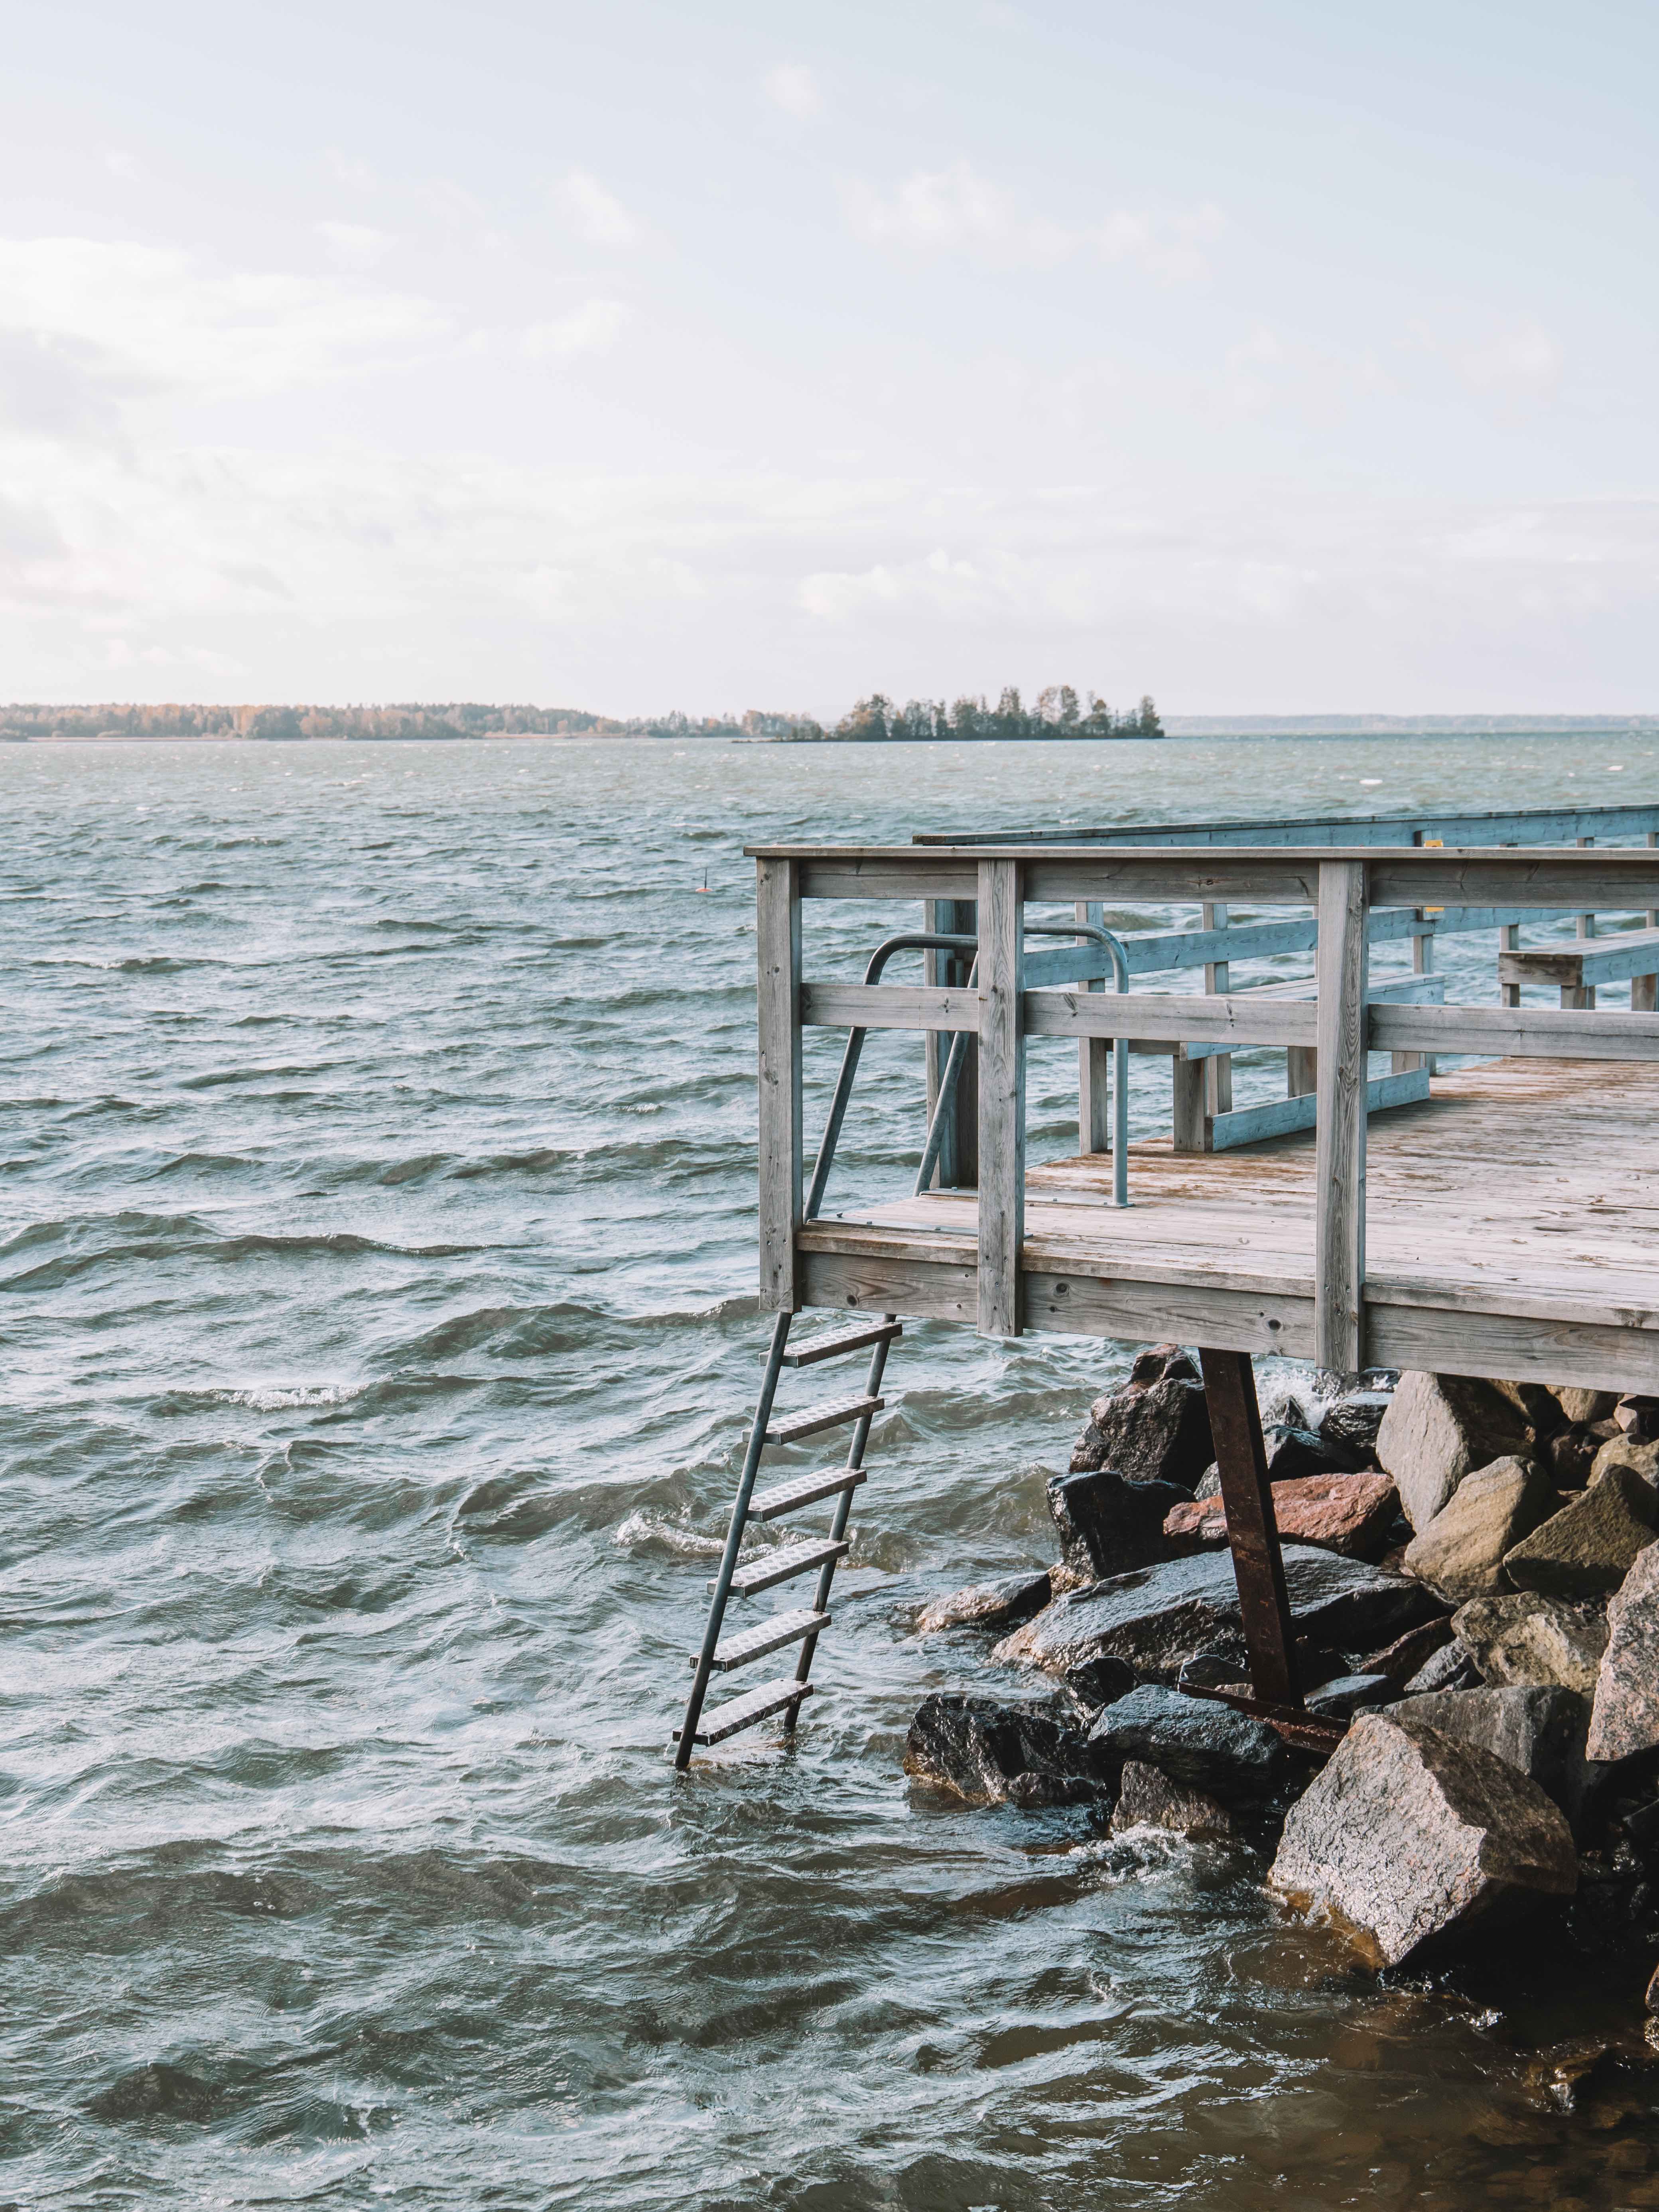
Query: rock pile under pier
{"x": 1473, "y": 1577}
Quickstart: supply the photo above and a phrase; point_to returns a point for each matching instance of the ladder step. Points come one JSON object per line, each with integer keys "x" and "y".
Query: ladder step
{"x": 769, "y": 1635}
{"x": 815, "y": 1418}
{"x": 831, "y": 1347}
{"x": 716, "y": 1722}
{"x": 803, "y": 1490}
{"x": 782, "y": 1566}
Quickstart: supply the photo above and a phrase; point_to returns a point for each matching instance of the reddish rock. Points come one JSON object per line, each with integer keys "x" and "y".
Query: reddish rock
{"x": 1347, "y": 1513}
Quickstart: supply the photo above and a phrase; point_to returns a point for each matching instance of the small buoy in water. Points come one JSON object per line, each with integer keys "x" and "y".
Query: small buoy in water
{"x": 703, "y": 885}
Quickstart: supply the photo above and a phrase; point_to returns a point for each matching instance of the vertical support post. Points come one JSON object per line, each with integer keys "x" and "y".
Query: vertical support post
{"x": 1301, "y": 1070}
{"x": 1192, "y": 1126}
{"x": 1219, "y": 1071}
{"x": 1001, "y": 1095}
{"x": 1094, "y": 1062}
{"x": 1403, "y": 1063}
{"x": 1252, "y": 1531}
{"x": 1585, "y": 924}
{"x": 958, "y": 1152}
{"x": 1339, "y": 1170}
{"x": 1644, "y": 989}
{"x": 782, "y": 1149}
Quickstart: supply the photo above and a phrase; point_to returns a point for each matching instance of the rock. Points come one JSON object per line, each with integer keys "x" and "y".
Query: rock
{"x": 1347, "y": 1513}
{"x": 1652, "y": 2001}
{"x": 1161, "y": 1363}
{"x": 1157, "y": 1434}
{"x": 1537, "y": 1405}
{"x": 992, "y": 1753}
{"x": 1003, "y": 1603}
{"x": 1438, "y": 1429}
{"x": 1110, "y": 1526}
{"x": 1293, "y": 1452}
{"x": 1197, "y": 1742}
{"x": 1209, "y": 1669}
{"x": 1451, "y": 1668}
{"x": 1583, "y": 1406}
{"x": 1587, "y": 1549}
{"x": 1625, "y": 1715}
{"x": 1638, "y": 1418}
{"x": 1160, "y": 1616}
{"x": 1624, "y": 1451}
{"x": 1352, "y": 1422}
{"x": 1209, "y": 1483}
{"x": 1538, "y": 1728}
{"x": 1347, "y": 1693}
{"x": 1408, "y": 1833}
{"x": 1097, "y": 1681}
{"x": 1461, "y": 1552}
{"x": 1530, "y": 1637}
{"x": 1408, "y": 1653}
{"x": 1572, "y": 1454}
{"x": 1147, "y": 1799}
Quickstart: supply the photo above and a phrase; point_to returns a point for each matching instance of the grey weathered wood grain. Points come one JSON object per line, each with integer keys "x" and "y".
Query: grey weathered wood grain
{"x": 1001, "y": 1095}
{"x": 1339, "y": 1175}
{"x": 782, "y": 1149}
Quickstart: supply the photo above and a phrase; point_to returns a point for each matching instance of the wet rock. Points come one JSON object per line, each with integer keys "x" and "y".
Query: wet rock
{"x": 1586, "y": 1550}
{"x": 1350, "y": 1514}
{"x": 1161, "y": 1363}
{"x": 1539, "y": 1728}
{"x": 990, "y": 1753}
{"x": 1148, "y": 1799}
{"x": 1098, "y": 1681}
{"x": 1352, "y": 1422}
{"x": 1293, "y": 1452}
{"x": 1197, "y": 1742}
{"x": 1624, "y": 1451}
{"x": 1625, "y": 1715}
{"x": 1157, "y": 1434}
{"x": 1408, "y": 1653}
{"x": 1652, "y": 1998}
{"x": 1638, "y": 1418}
{"x": 1160, "y": 1616}
{"x": 1407, "y": 1835}
{"x": 1451, "y": 1668}
{"x": 1529, "y": 1638}
{"x": 1461, "y": 1552}
{"x": 1347, "y": 1693}
{"x": 1440, "y": 1428}
{"x": 1572, "y": 1454}
{"x": 1109, "y": 1525}
{"x": 1209, "y": 1669}
{"x": 1583, "y": 1406}
{"x": 1565, "y": 2075}
{"x": 1004, "y": 1603}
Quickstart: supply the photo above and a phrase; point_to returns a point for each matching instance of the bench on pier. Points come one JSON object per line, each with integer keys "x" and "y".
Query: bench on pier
{"x": 1631, "y": 956}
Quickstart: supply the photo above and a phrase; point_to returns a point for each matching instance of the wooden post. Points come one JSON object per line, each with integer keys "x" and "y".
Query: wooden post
{"x": 1339, "y": 1173}
{"x": 1001, "y": 1095}
{"x": 1094, "y": 1063}
{"x": 958, "y": 1154}
{"x": 1583, "y": 996}
{"x": 1404, "y": 1063}
{"x": 1252, "y": 1531}
{"x": 1301, "y": 1070}
{"x": 1644, "y": 989}
{"x": 1192, "y": 1127}
{"x": 1218, "y": 1069}
{"x": 777, "y": 953}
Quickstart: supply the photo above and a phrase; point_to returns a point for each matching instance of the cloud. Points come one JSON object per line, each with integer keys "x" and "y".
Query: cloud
{"x": 594, "y": 327}
{"x": 150, "y": 316}
{"x": 1524, "y": 362}
{"x": 795, "y": 89}
{"x": 955, "y": 210}
{"x": 936, "y": 582}
{"x": 593, "y": 213}
{"x": 353, "y": 245}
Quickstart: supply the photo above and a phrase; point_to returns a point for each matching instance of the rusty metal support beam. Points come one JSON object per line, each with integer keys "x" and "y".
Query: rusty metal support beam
{"x": 1251, "y": 1532}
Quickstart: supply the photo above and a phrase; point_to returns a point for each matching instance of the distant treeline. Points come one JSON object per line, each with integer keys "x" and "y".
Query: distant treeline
{"x": 1058, "y": 713}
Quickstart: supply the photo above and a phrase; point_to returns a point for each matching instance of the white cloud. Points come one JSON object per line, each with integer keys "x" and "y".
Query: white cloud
{"x": 955, "y": 210}
{"x": 795, "y": 89}
{"x": 1524, "y": 362}
{"x": 937, "y": 583}
{"x": 353, "y": 245}
{"x": 593, "y": 327}
{"x": 150, "y": 315}
{"x": 592, "y": 213}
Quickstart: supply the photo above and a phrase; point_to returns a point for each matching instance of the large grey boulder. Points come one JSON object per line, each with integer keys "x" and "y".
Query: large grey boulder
{"x": 1529, "y": 1638}
{"x": 1625, "y": 1715}
{"x": 1004, "y": 1603}
{"x": 1159, "y": 1617}
{"x": 1537, "y": 1727}
{"x": 1408, "y": 1833}
{"x": 1586, "y": 1550}
{"x": 992, "y": 1753}
{"x": 1461, "y": 1552}
{"x": 1197, "y": 1741}
{"x": 1147, "y": 1799}
{"x": 1451, "y": 1668}
{"x": 1437, "y": 1429}
{"x": 1109, "y": 1525}
{"x": 1160, "y": 1433}
{"x": 1352, "y": 1421}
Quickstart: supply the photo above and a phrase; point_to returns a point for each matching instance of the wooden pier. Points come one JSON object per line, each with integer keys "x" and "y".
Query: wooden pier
{"x": 1498, "y": 1219}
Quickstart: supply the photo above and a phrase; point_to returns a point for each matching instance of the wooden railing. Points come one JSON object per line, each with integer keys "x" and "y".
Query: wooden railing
{"x": 1351, "y": 891}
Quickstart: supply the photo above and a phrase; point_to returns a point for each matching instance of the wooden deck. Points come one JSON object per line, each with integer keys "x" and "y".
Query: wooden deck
{"x": 1512, "y": 1228}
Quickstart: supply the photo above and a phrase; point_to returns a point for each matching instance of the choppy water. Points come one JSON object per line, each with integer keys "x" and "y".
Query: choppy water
{"x": 375, "y": 1282}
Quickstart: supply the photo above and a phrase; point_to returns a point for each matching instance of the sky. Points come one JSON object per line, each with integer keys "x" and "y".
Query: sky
{"x": 1271, "y": 358}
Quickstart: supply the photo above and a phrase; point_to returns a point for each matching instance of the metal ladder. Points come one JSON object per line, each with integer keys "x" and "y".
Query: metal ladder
{"x": 705, "y": 1724}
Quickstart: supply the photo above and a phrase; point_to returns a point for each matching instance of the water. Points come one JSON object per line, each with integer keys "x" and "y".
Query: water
{"x": 377, "y": 1264}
